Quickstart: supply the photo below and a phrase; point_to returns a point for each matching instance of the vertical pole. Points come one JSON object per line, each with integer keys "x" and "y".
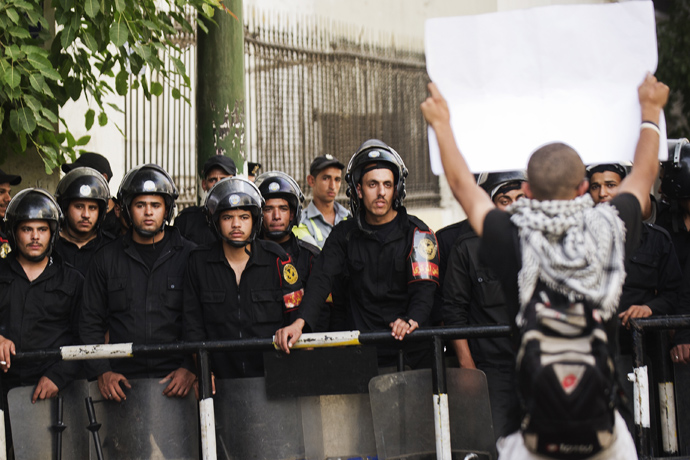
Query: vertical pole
{"x": 640, "y": 380}
{"x": 206, "y": 411}
{"x": 441, "y": 413}
{"x": 663, "y": 376}
{"x": 220, "y": 86}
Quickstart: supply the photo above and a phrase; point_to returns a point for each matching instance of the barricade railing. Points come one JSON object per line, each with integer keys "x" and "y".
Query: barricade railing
{"x": 313, "y": 340}
{"x": 640, "y": 379}
{"x": 436, "y": 335}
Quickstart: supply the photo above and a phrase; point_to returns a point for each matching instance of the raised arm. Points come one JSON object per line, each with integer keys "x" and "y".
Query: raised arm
{"x": 653, "y": 96}
{"x": 473, "y": 199}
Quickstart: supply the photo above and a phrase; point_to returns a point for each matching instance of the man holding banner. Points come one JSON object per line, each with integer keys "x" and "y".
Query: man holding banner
{"x": 544, "y": 243}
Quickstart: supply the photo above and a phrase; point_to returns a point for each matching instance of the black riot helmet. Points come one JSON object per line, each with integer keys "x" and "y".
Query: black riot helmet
{"x": 676, "y": 181}
{"x": 33, "y": 204}
{"x": 235, "y": 193}
{"x": 148, "y": 179}
{"x": 84, "y": 183}
{"x": 370, "y": 152}
{"x": 276, "y": 184}
{"x": 501, "y": 182}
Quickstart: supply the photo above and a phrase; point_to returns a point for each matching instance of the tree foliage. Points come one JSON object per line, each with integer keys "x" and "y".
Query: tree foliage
{"x": 673, "y": 37}
{"x": 95, "y": 39}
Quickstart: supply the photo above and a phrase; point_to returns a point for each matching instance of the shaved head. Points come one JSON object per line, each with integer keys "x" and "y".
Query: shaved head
{"x": 555, "y": 172}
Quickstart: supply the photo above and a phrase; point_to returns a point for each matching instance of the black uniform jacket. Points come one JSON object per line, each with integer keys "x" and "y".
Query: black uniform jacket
{"x": 472, "y": 294}
{"x": 193, "y": 225}
{"x": 135, "y": 304}
{"x": 40, "y": 314}
{"x": 382, "y": 286}
{"x": 216, "y": 308}
{"x": 80, "y": 258}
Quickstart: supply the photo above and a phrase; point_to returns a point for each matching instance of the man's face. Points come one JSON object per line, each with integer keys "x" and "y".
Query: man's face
{"x": 603, "y": 186}
{"x": 148, "y": 213}
{"x": 82, "y": 216}
{"x": 326, "y": 184}
{"x": 503, "y": 200}
{"x": 33, "y": 238}
{"x": 213, "y": 176}
{"x": 4, "y": 198}
{"x": 236, "y": 224}
{"x": 277, "y": 215}
{"x": 376, "y": 190}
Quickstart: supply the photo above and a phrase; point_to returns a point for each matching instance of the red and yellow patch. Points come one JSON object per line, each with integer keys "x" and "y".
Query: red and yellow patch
{"x": 425, "y": 270}
{"x": 293, "y": 299}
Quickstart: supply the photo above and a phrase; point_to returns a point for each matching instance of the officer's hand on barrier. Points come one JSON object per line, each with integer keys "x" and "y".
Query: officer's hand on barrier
{"x": 181, "y": 380}
{"x": 109, "y": 385}
{"x": 44, "y": 389}
{"x": 402, "y": 326}
{"x": 681, "y": 353}
{"x": 286, "y": 337}
{"x": 435, "y": 108}
{"x": 635, "y": 311}
{"x": 6, "y": 350}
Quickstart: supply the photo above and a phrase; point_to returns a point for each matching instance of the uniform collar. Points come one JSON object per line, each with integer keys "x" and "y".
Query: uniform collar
{"x": 341, "y": 211}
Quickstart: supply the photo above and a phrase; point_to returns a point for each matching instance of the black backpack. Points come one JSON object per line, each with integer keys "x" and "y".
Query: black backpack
{"x": 567, "y": 380}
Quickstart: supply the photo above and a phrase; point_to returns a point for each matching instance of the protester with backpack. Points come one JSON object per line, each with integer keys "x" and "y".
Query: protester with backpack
{"x": 561, "y": 264}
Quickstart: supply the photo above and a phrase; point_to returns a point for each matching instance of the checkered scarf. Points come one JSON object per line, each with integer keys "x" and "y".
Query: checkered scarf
{"x": 574, "y": 248}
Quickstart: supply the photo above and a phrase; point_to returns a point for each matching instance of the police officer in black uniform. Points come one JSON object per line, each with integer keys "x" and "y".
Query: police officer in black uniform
{"x": 192, "y": 221}
{"x": 391, "y": 258}
{"x": 39, "y": 296}
{"x": 6, "y": 183}
{"x": 83, "y": 196}
{"x": 472, "y": 295}
{"x": 240, "y": 287}
{"x": 133, "y": 289}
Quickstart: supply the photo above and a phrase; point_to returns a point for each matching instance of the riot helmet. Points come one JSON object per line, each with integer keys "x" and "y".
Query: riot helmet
{"x": 148, "y": 179}
{"x": 676, "y": 181}
{"x": 33, "y": 204}
{"x": 234, "y": 193}
{"x": 370, "y": 152}
{"x": 276, "y": 184}
{"x": 83, "y": 183}
{"x": 501, "y": 182}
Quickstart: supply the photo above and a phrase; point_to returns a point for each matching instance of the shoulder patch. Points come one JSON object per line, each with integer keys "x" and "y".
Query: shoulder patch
{"x": 424, "y": 257}
{"x": 290, "y": 273}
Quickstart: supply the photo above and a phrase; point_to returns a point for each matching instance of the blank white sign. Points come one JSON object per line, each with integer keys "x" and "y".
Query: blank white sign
{"x": 517, "y": 80}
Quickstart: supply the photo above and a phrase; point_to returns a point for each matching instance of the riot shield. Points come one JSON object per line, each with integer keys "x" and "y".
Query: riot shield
{"x": 33, "y": 431}
{"x": 403, "y": 412}
{"x": 249, "y": 426}
{"x": 147, "y": 425}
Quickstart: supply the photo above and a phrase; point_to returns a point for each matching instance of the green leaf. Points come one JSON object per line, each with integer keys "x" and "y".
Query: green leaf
{"x": 119, "y": 34}
{"x": 13, "y": 52}
{"x": 43, "y": 123}
{"x": 14, "y": 122}
{"x": 2, "y": 117}
{"x": 92, "y": 7}
{"x": 176, "y": 93}
{"x": 49, "y": 114}
{"x": 51, "y": 74}
{"x": 13, "y": 15}
{"x": 67, "y": 4}
{"x": 179, "y": 65}
{"x": 115, "y": 107}
{"x": 36, "y": 80}
{"x": 67, "y": 36}
{"x": 31, "y": 49}
{"x": 19, "y": 32}
{"x": 73, "y": 88}
{"x": 88, "y": 118}
{"x": 90, "y": 41}
{"x": 102, "y": 119}
{"x": 83, "y": 140}
{"x": 120, "y": 5}
{"x": 33, "y": 103}
{"x": 12, "y": 77}
{"x": 26, "y": 120}
{"x": 48, "y": 169}
{"x": 22, "y": 141}
{"x": 135, "y": 84}
{"x": 156, "y": 88}
{"x": 21, "y": 4}
{"x": 121, "y": 82}
{"x": 39, "y": 62}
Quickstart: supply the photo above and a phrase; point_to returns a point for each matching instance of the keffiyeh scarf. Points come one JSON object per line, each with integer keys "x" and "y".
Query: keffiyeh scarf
{"x": 574, "y": 248}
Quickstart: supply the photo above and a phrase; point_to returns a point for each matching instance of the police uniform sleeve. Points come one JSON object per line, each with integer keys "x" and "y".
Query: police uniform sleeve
{"x": 669, "y": 282}
{"x": 193, "y": 318}
{"x": 62, "y": 372}
{"x": 457, "y": 287}
{"x": 93, "y": 316}
{"x": 423, "y": 274}
{"x": 326, "y": 268}
{"x": 291, "y": 287}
